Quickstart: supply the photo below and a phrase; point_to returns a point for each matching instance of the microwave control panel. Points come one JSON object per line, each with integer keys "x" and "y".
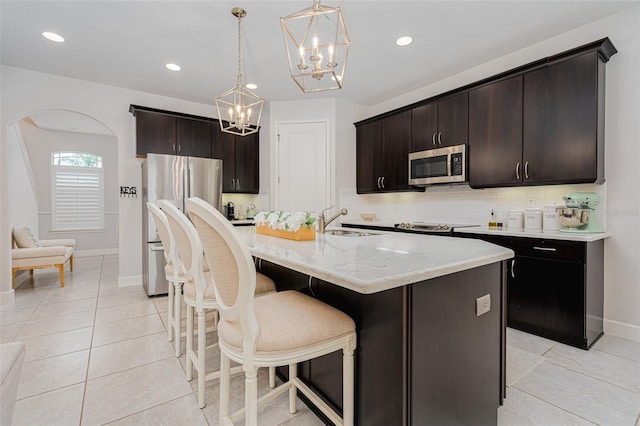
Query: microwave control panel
{"x": 456, "y": 164}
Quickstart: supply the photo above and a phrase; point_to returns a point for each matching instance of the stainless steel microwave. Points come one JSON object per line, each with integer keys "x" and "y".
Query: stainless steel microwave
{"x": 440, "y": 165}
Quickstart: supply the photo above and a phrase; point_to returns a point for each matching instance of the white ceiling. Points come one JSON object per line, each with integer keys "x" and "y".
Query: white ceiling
{"x": 127, "y": 43}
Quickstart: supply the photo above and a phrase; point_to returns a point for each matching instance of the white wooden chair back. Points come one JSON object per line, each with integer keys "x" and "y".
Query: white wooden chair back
{"x": 188, "y": 248}
{"x": 166, "y": 238}
{"x": 233, "y": 271}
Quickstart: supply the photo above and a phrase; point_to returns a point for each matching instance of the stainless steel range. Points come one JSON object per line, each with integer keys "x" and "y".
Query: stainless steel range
{"x": 430, "y": 228}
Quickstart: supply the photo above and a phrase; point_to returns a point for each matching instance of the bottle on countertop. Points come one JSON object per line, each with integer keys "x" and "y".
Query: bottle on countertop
{"x": 492, "y": 221}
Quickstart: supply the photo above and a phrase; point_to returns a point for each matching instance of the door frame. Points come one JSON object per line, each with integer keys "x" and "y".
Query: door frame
{"x": 330, "y": 161}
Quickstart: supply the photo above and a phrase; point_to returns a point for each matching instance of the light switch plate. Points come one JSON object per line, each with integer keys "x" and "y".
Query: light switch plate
{"x": 483, "y": 304}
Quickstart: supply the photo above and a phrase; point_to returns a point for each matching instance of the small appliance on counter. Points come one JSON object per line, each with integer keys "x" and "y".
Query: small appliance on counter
{"x": 578, "y": 215}
{"x": 230, "y": 210}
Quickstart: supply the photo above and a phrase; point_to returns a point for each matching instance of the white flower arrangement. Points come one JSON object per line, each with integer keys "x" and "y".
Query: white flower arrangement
{"x": 288, "y": 221}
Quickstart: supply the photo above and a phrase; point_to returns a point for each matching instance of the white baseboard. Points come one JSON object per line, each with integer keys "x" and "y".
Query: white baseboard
{"x": 98, "y": 252}
{"x": 622, "y": 330}
{"x": 130, "y": 280}
{"x": 7, "y": 297}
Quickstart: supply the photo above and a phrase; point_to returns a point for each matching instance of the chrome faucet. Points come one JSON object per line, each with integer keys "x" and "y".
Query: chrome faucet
{"x": 323, "y": 222}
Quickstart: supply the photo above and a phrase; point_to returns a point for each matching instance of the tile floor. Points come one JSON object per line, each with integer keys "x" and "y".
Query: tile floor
{"x": 98, "y": 354}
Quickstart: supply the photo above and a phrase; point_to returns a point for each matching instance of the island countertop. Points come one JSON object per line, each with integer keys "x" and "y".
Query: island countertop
{"x": 377, "y": 262}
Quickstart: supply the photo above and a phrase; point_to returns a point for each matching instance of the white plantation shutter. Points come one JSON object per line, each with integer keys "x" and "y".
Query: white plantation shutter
{"x": 77, "y": 196}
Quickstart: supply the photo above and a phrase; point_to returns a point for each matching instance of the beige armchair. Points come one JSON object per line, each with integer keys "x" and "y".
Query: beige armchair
{"x": 29, "y": 253}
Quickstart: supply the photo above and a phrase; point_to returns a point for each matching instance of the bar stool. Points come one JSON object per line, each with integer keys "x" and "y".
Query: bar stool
{"x": 282, "y": 328}
{"x": 199, "y": 294}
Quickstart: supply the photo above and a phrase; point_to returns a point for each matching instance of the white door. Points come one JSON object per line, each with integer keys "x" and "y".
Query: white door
{"x": 302, "y": 167}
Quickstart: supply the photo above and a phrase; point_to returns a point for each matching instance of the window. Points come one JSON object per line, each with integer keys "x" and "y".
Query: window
{"x": 77, "y": 191}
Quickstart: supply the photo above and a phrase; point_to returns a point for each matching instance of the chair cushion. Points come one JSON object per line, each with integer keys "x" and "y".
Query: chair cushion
{"x": 264, "y": 285}
{"x": 24, "y": 237}
{"x": 290, "y": 320}
{"x": 40, "y": 256}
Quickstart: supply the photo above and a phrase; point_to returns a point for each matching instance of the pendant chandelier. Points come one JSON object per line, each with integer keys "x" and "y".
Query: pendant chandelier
{"x": 239, "y": 109}
{"x": 317, "y": 46}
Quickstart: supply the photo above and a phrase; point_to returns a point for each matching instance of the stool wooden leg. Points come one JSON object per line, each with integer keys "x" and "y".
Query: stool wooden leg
{"x": 293, "y": 390}
{"x": 71, "y": 263}
{"x": 251, "y": 397}
{"x": 189, "y": 366}
{"x": 13, "y": 276}
{"x": 272, "y": 377}
{"x": 225, "y": 365}
{"x": 170, "y": 315}
{"x": 347, "y": 388}
{"x": 61, "y": 272}
{"x": 202, "y": 348}
{"x": 177, "y": 311}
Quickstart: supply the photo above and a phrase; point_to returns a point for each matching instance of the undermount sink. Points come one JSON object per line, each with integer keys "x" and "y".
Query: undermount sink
{"x": 348, "y": 233}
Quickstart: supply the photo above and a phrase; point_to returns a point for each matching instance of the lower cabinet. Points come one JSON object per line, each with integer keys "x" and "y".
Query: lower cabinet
{"x": 423, "y": 356}
{"x": 555, "y": 288}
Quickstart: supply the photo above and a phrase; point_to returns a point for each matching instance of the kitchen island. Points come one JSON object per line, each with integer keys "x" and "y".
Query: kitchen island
{"x": 423, "y": 355}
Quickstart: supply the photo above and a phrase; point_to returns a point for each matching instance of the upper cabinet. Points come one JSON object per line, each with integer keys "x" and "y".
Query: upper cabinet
{"x": 165, "y": 132}
{"x": 544, "y": 125}
{"x": 240, "y": 161}
{"x": 495, "y": 134}
{"x": 382, "y": 150}
{"x": 440, "y": 123}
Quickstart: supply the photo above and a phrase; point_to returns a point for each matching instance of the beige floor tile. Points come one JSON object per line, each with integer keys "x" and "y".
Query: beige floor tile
{"x": 182, "y": 411}
{"x": 617, "y": 346}
{"x": 8, "y": 332}
{"x": 591, "y": 399}
{"x": 66, "y": 322}
{"x": 119, "y": 395}
{"x": 604, "y": 366}
{"x": 161, "y": 302}
{"x": 121, "y": 299}
{"x": 118, "y": 313}
{"x": 58, "y": 407}
{"x": 519, "y": 362}
{"x": 119, "y": 331}
{"x": 58, "y": 343}
{"x": 112, "y": 289}
{"x": 528, "y": 342}
{"x": 57, "y": 309}
{"x": 304, "y": 417}
{"x": 68, "y": 293}
{"x": 13, "y": 316}
{"x": 53, "y": 373}
{"x": 521, "y": 409}
{"x": 109, "y": 359}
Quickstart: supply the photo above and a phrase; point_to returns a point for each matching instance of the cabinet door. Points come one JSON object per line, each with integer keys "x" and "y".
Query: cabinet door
{"x": 247, "y": 168}
{"x": 560, "y": 122}
{"x": 424, "y": 127}
{"x": 193, "y": 137}
{"x": 224, "y": 148}
{"x": 396, "y": 140}
{"x": 495, "y": 134}
{"x": 155, "y": 133}
{"x": 453, "y": 120}
{"x": 368, "y": 147}
{"x": 546, "y": 298}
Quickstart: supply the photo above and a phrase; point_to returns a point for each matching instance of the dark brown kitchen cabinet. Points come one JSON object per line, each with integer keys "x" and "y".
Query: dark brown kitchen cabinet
{"x": 440, "y": 123}
{"x": 382, "y": 149}
{"x": 563, "y": 129}
{"x": 167, "y": 132}
{"x": 495, "y": 134}
{"x": 240, "y": 161}
{"x": 555, "y": 288}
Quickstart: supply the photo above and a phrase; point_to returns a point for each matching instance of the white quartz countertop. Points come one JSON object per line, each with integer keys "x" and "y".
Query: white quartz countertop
{"x": 378, "y": 262}
{"x": 551, "y": 235}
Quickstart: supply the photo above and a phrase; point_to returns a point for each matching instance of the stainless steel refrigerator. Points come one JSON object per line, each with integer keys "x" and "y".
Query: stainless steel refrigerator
{"x": 174, "y": 178}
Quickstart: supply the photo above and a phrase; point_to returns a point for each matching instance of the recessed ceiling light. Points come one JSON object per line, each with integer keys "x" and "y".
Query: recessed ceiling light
{"x": 251, "y": 86}
{"x": 53, "y": 37}
{"x": 404, "y": 41}
{"x": 173, "y": 67}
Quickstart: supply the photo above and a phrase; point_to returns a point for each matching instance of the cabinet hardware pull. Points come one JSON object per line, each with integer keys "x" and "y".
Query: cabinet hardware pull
{"x": 518, "y": 170}
{"x": 433, "y": 139}
{"x": 513, "y": 268}
{"x": 173, "y": 147}
{"x": 440, "y": 138}
{"x": 311, "y": 288}
{"x": 526, "y": 170}
{"x": 378, "y": 182}
{"x": 157, "y": 248}
{"x": 544, "y": 248}
{"x": 383, "y": 182}
{"x": 178, "y": 148}
{"x": 237, "y": 183}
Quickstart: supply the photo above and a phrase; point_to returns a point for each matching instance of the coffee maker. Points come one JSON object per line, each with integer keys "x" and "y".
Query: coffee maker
{"x": 230, "y": 210}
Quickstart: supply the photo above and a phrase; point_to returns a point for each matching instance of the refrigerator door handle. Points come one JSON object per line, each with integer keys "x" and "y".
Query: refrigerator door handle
{"x": 157, "y": 248}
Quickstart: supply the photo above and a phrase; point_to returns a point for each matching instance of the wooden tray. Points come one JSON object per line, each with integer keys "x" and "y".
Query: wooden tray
{"x": 302, "y": 234}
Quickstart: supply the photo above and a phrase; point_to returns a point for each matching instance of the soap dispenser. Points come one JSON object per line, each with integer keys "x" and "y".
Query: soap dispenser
{"x": 492, "y": 221}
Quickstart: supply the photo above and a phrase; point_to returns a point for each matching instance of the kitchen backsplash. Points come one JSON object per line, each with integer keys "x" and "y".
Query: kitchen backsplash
{"x": 459, "y": 203}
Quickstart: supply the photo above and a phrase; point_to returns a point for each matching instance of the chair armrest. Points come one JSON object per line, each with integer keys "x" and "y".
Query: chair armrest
{"x": 61, "y": 242}
{"x": 27, "y": 253}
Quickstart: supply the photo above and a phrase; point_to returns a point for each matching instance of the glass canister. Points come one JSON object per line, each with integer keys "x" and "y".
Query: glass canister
{"x": 515, "y": 219}
{"x": 550, "y": 219}
{"x": 533, "y": 219}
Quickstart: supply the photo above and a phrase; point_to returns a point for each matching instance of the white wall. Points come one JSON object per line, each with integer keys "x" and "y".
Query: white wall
{"x": 41, "y": 143}
{"x": 25, "y": 92}
{"x": 621, "y": 211}
{"x": 23, "y": 205}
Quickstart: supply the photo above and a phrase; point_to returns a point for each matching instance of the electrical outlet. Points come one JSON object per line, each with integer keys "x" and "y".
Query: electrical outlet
{"x": 483, "y": 304}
